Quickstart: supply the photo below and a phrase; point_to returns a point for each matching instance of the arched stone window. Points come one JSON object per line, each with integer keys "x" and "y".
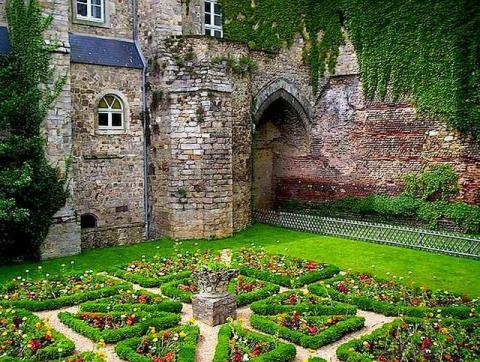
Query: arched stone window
{"x": 88, "y": 221}
{"x": 111, "y": 113}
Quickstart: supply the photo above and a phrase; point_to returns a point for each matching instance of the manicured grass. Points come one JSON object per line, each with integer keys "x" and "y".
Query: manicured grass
{"x": 424, "y": 268}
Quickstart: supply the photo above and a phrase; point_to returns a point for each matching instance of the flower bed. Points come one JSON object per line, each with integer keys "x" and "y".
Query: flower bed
{"x": 245, "y": 289}
{"x": 280, "y": 269}
{"x": 115, "y": 326}
{"x": 173, "y": 345}
{"x": 56, "y": 292}
{"x": 302, "y": 302}
{"x": 23, "y": 336}
{"x": 156, "y": 271}
{"x": 181, "y": 289}
{"x": 414, "y": 339}
{"x": 308, "y": 332}
{"x": 87, "y": 357}
{"x": 390, "y": 297}
{"x": 236, "y": 344}
{"x": 128, "y": 300}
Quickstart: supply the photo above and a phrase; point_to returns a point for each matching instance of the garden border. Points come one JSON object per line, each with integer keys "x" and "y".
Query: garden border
{"x": 266, "y": 307}
{"x": 126, "y": 349}
{"x": 329, "y": 335}
{"x": 344, "y": 352}
{"x": 284, "y": 352}
{"x": 102, "y": 305}
{"x": 160, "y": 320}
{"x": 385, "y": 308}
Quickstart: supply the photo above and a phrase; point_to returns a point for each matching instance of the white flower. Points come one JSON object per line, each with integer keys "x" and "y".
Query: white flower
{"x": 246, "y": 357}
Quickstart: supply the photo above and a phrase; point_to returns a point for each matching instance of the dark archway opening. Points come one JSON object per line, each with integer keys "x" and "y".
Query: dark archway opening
{"x": 88, "y": 221}
{"x": 281, "y": 137}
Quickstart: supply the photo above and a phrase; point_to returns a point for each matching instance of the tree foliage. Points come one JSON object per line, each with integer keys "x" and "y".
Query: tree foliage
{"x": 31, "y": 190}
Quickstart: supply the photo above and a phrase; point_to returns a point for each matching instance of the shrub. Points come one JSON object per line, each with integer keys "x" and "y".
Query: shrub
{"x": 439, "y": 182}
{"x": 278, "y": 351}
{"x": 411, "y": 339}
{"x": 328, "y": 331}
{"x": 310, "y": 304}
{"x": 31, "y": 191}
{"x": 185, "y": 352}
{"x": 127, "y": 300}
{"x": 78, "y": 323}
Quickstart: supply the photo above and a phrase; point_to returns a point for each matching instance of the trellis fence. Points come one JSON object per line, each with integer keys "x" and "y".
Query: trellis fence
{"x": 435, "y": 241}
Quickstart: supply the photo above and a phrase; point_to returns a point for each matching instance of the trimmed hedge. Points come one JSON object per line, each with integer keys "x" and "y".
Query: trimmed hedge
{"x": 61, "y": 347}
{"x": 331, "y": 334}
{"x": 388, "y": 309}
{"x": 160, "y": 320}
{"x": 316, "y": 359}
{"x": 347, "y": 351}
{"x": 272, "y": 306}
{"x": 112, "y": 304}
{"x": 171, "y": 290}
{"x": 63, "y": 301}
{"x": 147, "y": 282}
{"x": 287, "y": 281}
{"x": 283, "y": 352}
{"x": 127, "y": 349}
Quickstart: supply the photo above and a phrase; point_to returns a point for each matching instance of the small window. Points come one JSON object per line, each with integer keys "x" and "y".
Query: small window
{"x": 110, "y": 113}
{"x": 88, "y": 221}
{"x": 213, "y": 19}
{"x": 91, "y": 10}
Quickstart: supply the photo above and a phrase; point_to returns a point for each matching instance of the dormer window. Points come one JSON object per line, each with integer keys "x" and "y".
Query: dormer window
{"x": 91, "y": 10}
{"x": 213, "y": 19}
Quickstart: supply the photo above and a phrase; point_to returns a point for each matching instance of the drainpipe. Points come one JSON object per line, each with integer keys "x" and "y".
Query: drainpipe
{"x": 145, "y": 124}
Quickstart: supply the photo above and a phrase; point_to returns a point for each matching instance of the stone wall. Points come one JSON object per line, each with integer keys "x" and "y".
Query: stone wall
{"x": 108, "y": 167}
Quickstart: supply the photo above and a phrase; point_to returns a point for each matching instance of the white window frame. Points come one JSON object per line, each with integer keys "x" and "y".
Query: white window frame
{"x": 110, "y": 111}
{"x": 89, "y": 16}
{"x": 212, "y": 28}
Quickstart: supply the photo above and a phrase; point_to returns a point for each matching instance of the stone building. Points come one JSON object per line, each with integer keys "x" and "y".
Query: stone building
{"x": 167, "y": 139}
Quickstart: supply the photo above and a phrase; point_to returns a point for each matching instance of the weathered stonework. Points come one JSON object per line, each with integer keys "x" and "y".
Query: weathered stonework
{"x": 214, "y": 311}
{"x": 108, "y": 167}
{"x": 212, "y": 136}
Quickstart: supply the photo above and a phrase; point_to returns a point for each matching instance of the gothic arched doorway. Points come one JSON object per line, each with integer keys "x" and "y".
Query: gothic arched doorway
{"x": 281, "y": 138}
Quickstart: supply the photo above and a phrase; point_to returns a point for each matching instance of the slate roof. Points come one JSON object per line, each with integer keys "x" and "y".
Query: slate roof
{"x": 4, "y": 43}
{"x": 100, "y": 51}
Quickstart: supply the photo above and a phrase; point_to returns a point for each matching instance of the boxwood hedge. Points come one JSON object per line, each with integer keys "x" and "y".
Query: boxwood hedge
{"x": 115, "y": 303}
{"x": 159, "y": 320}
{"x": 388, "y": 309}
{"x": 272, "y": 305}
{"x": 283, "y": 352}
{"x": 331, "y": 334}
{"x": 186, "y": 353}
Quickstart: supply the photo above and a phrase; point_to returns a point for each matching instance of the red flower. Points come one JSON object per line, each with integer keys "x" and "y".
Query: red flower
{"x": 342, "y": 288}
{"x": 35, "y": 344}
{"x": 293, "y": 299}
{"x": 142, "y": 299}
{"x": 416, "y": 301}
{"x": 426, "y": 343}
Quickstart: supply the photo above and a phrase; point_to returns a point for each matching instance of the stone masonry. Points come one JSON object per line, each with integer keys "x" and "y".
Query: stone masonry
{"x": 202, "y": 145}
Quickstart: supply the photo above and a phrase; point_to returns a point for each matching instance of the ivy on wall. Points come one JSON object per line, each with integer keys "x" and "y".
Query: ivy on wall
{"x": 31, "y": 190}
{"x": 429, "y": 49}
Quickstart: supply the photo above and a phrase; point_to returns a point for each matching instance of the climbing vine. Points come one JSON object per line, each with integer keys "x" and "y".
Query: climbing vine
{"x": 428, "y": 50}
{"x": 31, "y": 190}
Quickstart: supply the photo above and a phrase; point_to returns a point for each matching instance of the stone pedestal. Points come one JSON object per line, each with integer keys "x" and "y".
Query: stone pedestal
{"x": 214, "y": 310}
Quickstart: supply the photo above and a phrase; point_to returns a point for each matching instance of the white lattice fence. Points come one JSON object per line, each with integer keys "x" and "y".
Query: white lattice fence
{"x": 436, "y": 241}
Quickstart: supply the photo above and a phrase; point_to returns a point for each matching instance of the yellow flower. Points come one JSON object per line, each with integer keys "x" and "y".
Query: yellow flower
{"x": 444, "y": 330}
{"x": 306, "y": 292}
{"x": 191, "y": 320}
{"x": 182, "y": 334}
{"x": 101, "y": 344}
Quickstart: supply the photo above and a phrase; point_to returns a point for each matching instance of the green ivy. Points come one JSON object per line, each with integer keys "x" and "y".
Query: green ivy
{"x": 429, "y": 49}
{"x": 439, "y": 182}
{"x": 31, "y": 190}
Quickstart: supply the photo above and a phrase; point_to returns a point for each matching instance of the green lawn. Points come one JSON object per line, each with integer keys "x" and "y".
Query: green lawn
{"x": 424, "y": 268}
